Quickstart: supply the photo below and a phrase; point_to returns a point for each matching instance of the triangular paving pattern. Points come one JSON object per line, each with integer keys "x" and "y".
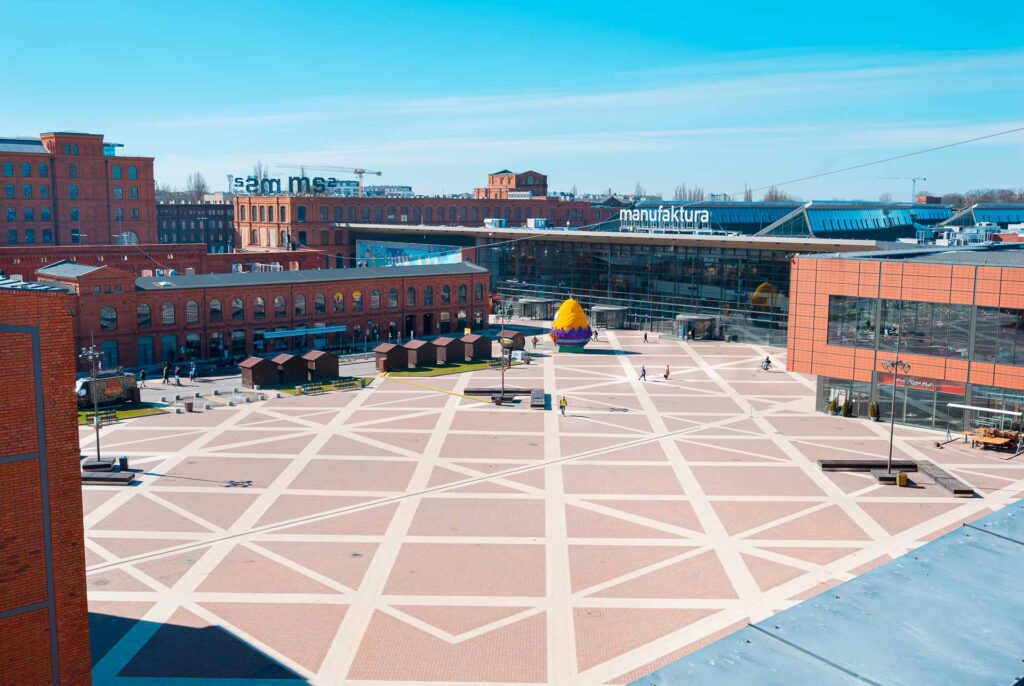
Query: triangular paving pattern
{"x": 600, "y": 636}
{"x": 675, "y": 512}
{"x": 701, "y": 576}
{"x": 457, "y": 620}
{"x": 371, "y": 521}
{"x": 345, "y": 562}
{"x": 413, "y": 442}
{"x": 830, "y": 524}
{"x": 221, "y": 509}
{"x": 300, "y": 632}
{"x": 739, "y": 516}
{"x": 442, "y": 476}
{"x": 582, "y": 523}
{"x": 292, "y": 445}
{"x": 896, "y": 517}
{"x": 243, "y": 570}
{"x": 817, "y": 556}
{"x": 143, "y": 514}
{"x": 114, "y": 580}
{"x": 130, "y": 547}
{"x": 529, "y": 477}
{"x": 292, "y": 506}
{"x": 590, "y": 565}
{"x": 168, "y": 570}
{"x": 768, "y": 574}
{"x": 346, "y": 446}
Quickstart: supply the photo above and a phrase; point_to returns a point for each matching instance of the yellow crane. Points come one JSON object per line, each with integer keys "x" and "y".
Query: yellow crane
{"x": 358, "y": 171}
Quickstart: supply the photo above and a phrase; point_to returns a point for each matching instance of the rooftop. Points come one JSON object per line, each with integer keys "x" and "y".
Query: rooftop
{"x": 22, "y": 145}
{"x": 991, "y": 255}
{"x": 67, "y": 269}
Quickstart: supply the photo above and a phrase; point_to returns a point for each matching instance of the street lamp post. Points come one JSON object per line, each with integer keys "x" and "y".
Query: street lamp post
{"x": 894, "y": 366}
{"x": 92, "y": 356}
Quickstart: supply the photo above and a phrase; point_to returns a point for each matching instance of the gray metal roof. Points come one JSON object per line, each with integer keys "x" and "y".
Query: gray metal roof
{"x": 67, "y": 270}
{"x": 991, "y": 255}
{"x": 22, "y": 145}
{"x": 19, "y": 285}
{"x": 288, "y": 277}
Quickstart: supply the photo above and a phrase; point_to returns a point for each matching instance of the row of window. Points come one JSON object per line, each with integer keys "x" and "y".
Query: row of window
{"x": 173, "y": 224}
{"x": 939, "y": 329}
{"x": 265, "y": 213}
{"x": 26, "y": 169}
{"x": 26, "y": 191}
{"x": 30, "y": 235}
{"x": 44, "y": 170}
{"x": 168, "y": 313}
{"x": 29, "y": 214}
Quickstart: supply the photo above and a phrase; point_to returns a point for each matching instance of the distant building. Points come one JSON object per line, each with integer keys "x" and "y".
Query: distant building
{"x": 379, "y": 191}
{"x": 210, "y": 223}
{"x": 501, "y": 183}
{"x": 929, "y": 200}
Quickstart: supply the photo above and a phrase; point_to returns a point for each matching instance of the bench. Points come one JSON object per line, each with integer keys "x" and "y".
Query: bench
{"x": 995, "y": 441}
{"x": 865, "y": 465}
{"x": 538, "y": 399}
{"x": 946, "y": 480}
{"x": 499, "y": 399}
{"x": 116, "y": 478}
{"x": 105, "y": 417}
{"x": 312, "y": 388}
{"x": 103, "y": 464}
{"x": 346, "y": 384}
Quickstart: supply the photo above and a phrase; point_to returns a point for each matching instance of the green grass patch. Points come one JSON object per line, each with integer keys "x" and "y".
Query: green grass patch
{"x": 443, "y": 369}
{"x": 327, "y": 386}
{"x": 124, "y": 412}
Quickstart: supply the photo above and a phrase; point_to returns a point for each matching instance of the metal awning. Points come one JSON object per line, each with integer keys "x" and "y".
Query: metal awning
{"x": 306, "y": 332}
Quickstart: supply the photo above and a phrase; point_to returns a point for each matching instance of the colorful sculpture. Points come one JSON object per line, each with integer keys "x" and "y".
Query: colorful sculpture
{"x": 570, "y": 328}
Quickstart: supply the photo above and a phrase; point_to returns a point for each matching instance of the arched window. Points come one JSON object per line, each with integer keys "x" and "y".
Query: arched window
{"x": 393, "y": 297}
{"x": 446, "y": 294}
{"x": 319, "y": 303}
{"x": 462, "y": 294}
{"x": 352, "y": 213}
{"x": 26, "y": 169}
{"x": 44, "y": 170}
{"x": 108, "y": 318}
{"x": 440, "y": 215}
{"x": 375, "y": 299}
{"x": 280, "y": 306}
{"x": 300, "y": 305}
{"x": 116, "y": 171}
{"x": 270, "y": 213}
{"x": 254, "y": 237}
{"x": 410, "y": 297}
{"x": 479, "y": 291}
{"x": 216, "y": 313}
{"x": 338, "y": 216}
{"x": 428, "y": 295}
{"x": 237, "y": 309}
{"x": 133, "y": 173}
{"x": 143, "y": 315}
{"x": 73, "y": 192}
{"x": 167, "y": 314}
{"x": 72, "y": 171}
{"x": 191, "y": 312}
{"x": 8, "y": 168}
{"x": 259, "y": 308}
{"x": 283, "y": 214}
{"x": 339, "y": 301}
{"x": 241, "y": 212}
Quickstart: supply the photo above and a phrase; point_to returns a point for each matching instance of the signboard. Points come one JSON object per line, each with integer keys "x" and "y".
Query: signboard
{"x": 662, "y": 217}
{"x": 253, "y": 185}
{"x": 392, "y": 253}
{"x": 924, "y": 384}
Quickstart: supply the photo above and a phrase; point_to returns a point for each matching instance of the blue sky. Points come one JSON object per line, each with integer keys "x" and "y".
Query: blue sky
{"x": 596, "y": 95}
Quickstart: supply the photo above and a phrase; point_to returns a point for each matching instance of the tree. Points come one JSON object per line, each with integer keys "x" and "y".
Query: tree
{"x": 196, "y": 187}
{"x": 260, "y": 171}
{"x": 774, "y": 194}
{"x": 639, "y": 191}
{"x": 748, "y": 194}
{"x": 695, "y": 194}
{"x": 885, "y": 197}
{"x": 574, "y": 191}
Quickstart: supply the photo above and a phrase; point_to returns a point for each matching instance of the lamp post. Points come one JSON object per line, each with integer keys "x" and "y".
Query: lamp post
{"x": 92, "y": 355}
{"x": 894, "y": 366}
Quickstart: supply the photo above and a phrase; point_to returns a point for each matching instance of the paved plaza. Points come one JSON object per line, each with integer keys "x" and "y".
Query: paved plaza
{"x": 407, "y": 533}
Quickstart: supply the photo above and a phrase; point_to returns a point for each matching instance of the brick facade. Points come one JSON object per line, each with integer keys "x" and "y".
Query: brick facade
{"x": 499, "y": 184}
{"x": 212, "y": 223}
{"x": 44, "y": 633}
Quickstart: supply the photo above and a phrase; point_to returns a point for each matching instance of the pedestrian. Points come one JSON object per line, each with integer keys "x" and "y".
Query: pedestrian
{"x": 666, "y": 372}
{"x": 192, "y": 373}
{"x": 535, "y": 342}
{"x": 643, "y": 373}
{"x": 167, "y": 372}
{"x": 142, "y": 378}
{"x": 562, "y": 404}
{"x": 177, "y": 375}
{"x": 645, "y": 336}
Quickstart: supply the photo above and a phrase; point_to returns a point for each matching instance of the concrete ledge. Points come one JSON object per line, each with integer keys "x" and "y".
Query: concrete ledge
{"x": 865, "y": 465}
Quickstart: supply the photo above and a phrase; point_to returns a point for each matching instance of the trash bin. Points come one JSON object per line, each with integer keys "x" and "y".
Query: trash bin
{"x": 122, "y": 462}
{"x": 188, "y": 405}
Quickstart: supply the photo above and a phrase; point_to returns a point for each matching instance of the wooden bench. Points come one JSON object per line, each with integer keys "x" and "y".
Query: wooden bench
{"x": 105, "y": 417}
{"x": 312, "y": 389}
{"x": 538, "y": 399}
{"x": 865, "y": 465}
{"x": 995, "y": 441}
{"x": 346, "y": 384}
{"x": 944, "y": 479}
{"x": 115, "y": 478}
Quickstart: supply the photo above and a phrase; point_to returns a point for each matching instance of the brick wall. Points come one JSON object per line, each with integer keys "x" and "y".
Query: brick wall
{"x": 27, "y": 646}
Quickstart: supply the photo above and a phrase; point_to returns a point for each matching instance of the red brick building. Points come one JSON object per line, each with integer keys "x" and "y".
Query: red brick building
{"x": 147, "y": 320}
{"x": 323, "y": 222}
{"x": 502, "y": 183}
{"x": 44, "y": 632}
{"x": 72, "y": 188}
{"x": 955, "y": 314}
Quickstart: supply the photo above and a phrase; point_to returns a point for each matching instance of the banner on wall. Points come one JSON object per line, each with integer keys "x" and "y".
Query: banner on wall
{"x": 924, "y": 384}
{"x": 392, "y": 253}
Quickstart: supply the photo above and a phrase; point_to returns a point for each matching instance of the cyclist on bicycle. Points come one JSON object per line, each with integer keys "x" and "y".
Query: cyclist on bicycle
{"x": 767, "y": 364}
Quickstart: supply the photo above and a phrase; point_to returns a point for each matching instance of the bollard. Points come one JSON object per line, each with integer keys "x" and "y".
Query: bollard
{"x": 248, "y": 399}
{"x": 216, "y": 391}
{"x": 196, "y": 395}
{"x": 231, "y": 403}
{"x": 163, "y": 398}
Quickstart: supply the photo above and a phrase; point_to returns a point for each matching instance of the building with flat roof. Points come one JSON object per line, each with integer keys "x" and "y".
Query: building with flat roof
{"x": 44, "y": 627}
{"x": 505, "y": 184}
{"x": 1000, "y": 214}
{"x": 140, "y": 321}
{"x": 209, "y": 222}
{"x": 956, "y": 315}
{"x": 68, "y": 188}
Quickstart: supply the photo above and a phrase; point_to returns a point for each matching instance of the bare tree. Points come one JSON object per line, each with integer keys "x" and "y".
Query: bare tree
{"x": 639, "y": 191}
{"x": 575, "y": 191}
{"x": 748, "y": 194}
{"x": 695, "y": 194}
{"x": 885, "y": 197}
{"x": 196, "y": 187}
{"x": 260, "y": 171}
{"x": 774, "y": 194}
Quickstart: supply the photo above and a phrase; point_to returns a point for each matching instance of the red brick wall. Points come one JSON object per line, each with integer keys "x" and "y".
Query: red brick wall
{"x": 25, "y": 637}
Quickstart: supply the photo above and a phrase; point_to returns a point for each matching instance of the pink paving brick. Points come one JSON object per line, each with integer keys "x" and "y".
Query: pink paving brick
{"x": 291, "y": 506}
{"x": 137, "y": 545}
{"x": 499, "y": 447}
{"x": 609, "y": 479}
{"x": 344, "y": 562}
{"x": 457, "y": 620}
{"x": 498, "y": 421}
{"x": 590, "y": 565}
{"x": 768, "y": 574}
{"x": 168, "y": 569}
{"x": 701, "y": 576}
{"x": 243, "y": 570}
{"x": 110, "y": 580}
{"x": 354, "y": 475}
{"x": 143, "y": 514}
{"x": 896, "y": 517}
{"x": 370, "y": 521}
{"x": 830, "y": 524}
{"x": 743, "y": 480}
{"x": 478, "y": 517}
{"x": 585, "y": 523}
{"x": 204, "y": 472}
{"x": 730, "y": 450}
{"x": 470, "y": 569}
{"x": 738, "y": 516}
{"x": 675, "y": 512}
{"x": 604, "y": 633}
{"x": 221, "y": 509}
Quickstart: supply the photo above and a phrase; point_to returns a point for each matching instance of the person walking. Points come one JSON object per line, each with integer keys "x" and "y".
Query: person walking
{"x": 667, "y": 371}
{"x": 643, "y": 373}
{"x": 192, "y": 373}
{"x": 177, "y": 375}
{"x": 167, "y": 372}
{"x": 645, "y": 336}
{"x": 535, "y": 342}
{"x": 142, "y": 378}
{"x": 562, "y": 404}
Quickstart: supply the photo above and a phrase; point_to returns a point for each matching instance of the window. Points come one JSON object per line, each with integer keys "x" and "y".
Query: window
{"x": 280, "y": 307}
{"x": 259, "y": 308}
{"x": 237, "y": 309}
{"x": 74, "y": 214}
{"x": 30, "y": 235}
{"x": 319, "y": 303}
{"x": 108, "y": 318}
{"x": 270, "y": 213}
{"x": 76, "y": 236}
{"x": 428, "y": 295}
{"x": 29, "y": 214}
{"x": 44, "y": 192}
{"x": 241, "y": 212}
{"x": 375, "y": 299}
{"x": 12, "y": 235}
{"x": 167, "y": 314}
{"x": 924, "y": 328}
{"x": 72, "y": 171}
{"x": 446, "y": 294}
{"x": 193, "y": 346}
{"x": 410, "y": 297}
{"x": 74, "y": 148}
{"x": 116, "y": 171}
{"x": 302, "y": 238}
{"x": 47, "y": 235}
{"x": 216, "y": 313}
{"x": 143, "y": 316}
{"x": 9, "y": 191}
{"x": 300, "y": 305}
{"x": 263, "y": 213}
{"x": 12, "y": 214}
{"x": 118, "y": 193}
{"x": 133, "y": 173}
{"x": 133, "y": 192}
{"x": 283, "y": 214}
{"x": 8, "y": 169}
{"x": 393, "y": 297}
{"x": 254, "y": 237}
{"x": 134, "y": 214}
{"x": 26, "y": 169}
{"x": 462, "y": 294}
{"x": 191, "y": 312}
{"x": 339, "y": 302}
{"x": 479, "y": 292}
{"x": 26, "y": 191}
{"x": 338, "y": 215}
{"x": 324, "y": 214}
{"x": 999, "y": 336}
{"x": 352, "y": 213}
{"x": 73, "y": 192}
{"x": 300, "y": 213}
{"x": 119, "y": 214}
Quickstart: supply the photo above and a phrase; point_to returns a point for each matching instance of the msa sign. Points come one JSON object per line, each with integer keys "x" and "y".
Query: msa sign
{"x": 671, "y": 217}
{"x": 296, "y": 185}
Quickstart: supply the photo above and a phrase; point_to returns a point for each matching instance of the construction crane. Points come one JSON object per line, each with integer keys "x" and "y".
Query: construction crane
{"x": 913, "y": 184}
{"x": 359, "y": 172}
